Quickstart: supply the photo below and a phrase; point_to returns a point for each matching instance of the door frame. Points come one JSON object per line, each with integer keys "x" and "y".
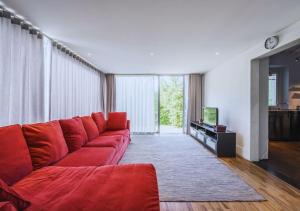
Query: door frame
{"x": 259, "y": 143}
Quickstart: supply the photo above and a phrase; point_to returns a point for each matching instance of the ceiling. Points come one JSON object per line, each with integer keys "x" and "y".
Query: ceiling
{"x": 158, "y": 36}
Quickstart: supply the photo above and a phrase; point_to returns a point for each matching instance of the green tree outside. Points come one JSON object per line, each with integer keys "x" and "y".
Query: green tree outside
{"x": 171, "y": 102}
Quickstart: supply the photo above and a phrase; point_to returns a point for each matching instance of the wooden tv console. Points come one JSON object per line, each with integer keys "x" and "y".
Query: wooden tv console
{"x": 223, "y": 144}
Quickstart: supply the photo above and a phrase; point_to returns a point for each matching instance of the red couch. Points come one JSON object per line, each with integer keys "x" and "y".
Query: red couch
{"x": 71, "y": 165}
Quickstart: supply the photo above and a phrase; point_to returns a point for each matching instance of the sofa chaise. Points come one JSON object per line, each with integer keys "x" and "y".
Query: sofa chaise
{"x": 71, "y": 164}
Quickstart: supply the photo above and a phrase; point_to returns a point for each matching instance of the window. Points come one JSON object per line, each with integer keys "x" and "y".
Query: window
{"x": 272, "y": 90}
{"x": 154, "y": 104}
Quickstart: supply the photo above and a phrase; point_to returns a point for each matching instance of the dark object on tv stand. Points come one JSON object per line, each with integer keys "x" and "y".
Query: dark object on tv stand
{"x": 223, "y": 144}
{"x": 220, "y": 128}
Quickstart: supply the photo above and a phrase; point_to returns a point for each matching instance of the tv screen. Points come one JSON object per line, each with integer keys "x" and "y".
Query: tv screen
{"x": 210, "y": 116}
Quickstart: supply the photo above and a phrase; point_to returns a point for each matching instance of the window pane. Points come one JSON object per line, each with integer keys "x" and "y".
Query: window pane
{"x": 273, "y": 90}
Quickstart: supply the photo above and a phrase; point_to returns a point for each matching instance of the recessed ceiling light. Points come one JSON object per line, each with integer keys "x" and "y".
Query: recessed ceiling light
{"x": 151, "y": 54}
{"x": 89, "y": 54}
{"x": 217, "y": 53}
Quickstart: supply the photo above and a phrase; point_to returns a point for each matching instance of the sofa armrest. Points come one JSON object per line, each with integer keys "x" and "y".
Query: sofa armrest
{"x": 128, "y": 125}
{"x": 7, "y": 206}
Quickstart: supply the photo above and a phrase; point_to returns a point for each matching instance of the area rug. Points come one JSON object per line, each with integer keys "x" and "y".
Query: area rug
{"x": 187, "y": 171}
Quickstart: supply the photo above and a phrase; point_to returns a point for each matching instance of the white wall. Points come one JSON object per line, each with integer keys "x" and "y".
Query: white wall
{"x": 228, "y": 87}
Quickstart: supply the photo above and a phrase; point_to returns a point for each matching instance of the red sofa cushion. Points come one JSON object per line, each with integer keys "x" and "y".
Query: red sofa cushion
{"x": 106, "y": 141}
{"x": 123, "y": 187}
{"x": 121, "y": 151}
{"x": 46, "y": 143}
{"x": 124, "y": 133}
{"x": 88, "y": 156}
{"x": 117, "y": 121}
{"x": 7, "y": 206}
{"x": 100, "y": 121}
{"x": 8, "y": 194}
{"x": 90, "y": 127}
{"x": 15, "y": 161}
{"x": 74, "y": 133}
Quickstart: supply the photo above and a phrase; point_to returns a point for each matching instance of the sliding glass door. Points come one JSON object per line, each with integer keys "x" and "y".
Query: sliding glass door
{"x": 171, "y": 106}
{"x": 153, "y": 103}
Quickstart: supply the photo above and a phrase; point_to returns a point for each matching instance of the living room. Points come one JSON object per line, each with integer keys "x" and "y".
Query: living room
{"x": 145, "y": 105}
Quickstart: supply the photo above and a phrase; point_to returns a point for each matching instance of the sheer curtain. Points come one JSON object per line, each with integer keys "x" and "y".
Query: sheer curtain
{"x": 75, "y": 88}
{"x": 138, "y": 96}
{"x": 22, "y": 75}
{"x": 186, "y": 103}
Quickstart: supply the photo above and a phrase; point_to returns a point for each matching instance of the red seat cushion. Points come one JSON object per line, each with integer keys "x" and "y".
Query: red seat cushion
{"x": 74, "y": 133}
{"x": 106, "y": 141}
{"x": 123, "y": 187}
{"x": 89, "y": 156}
{"x": 15, "y": 161}
{"x": 124, "y": 133}
{"x": 8, "y": 194}
{"x": 90, "y": 127}
{"x": 121, "y": 151}
{"x": 100, "y": 121}
{"x": 117, "y": 121}
{"x": 46, "y": 143}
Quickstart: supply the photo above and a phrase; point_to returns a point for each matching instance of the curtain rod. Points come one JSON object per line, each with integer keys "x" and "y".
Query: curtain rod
{"x": 15, "y": 19}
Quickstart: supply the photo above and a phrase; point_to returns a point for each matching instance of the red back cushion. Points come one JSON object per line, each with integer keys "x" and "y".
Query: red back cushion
{"x": 100, "y": 121}
{"x": 8, "y": 194}
{"x": 90, "y": 127}
{"x": 74, "y": 133}
{"x": 117, "y": 121}
{"x": 15, "y": 161}
{"x": 7, "y": 206}
{"x": 46, "y": 143}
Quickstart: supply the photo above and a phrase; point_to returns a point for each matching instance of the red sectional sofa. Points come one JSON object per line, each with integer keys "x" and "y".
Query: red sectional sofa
{"x": 70, "y": 165}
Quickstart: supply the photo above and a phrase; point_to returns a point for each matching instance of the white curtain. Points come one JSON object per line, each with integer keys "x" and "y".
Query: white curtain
{"x": 22, "y": 75}
{"x": 47, "y": 43}
{"x": 186, "y": 122}
{"x": 75, "y": 88}
{"x": 138, "y": 96}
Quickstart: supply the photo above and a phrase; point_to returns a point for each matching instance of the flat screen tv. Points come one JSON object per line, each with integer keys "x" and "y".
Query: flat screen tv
{"x": 210, "y": 116}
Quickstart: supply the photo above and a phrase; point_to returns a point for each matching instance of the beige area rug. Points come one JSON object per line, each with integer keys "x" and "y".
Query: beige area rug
{"x": 187, "y": 171}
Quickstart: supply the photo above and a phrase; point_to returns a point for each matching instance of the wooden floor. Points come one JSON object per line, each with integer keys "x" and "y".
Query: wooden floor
{"x": 279, "y": 195}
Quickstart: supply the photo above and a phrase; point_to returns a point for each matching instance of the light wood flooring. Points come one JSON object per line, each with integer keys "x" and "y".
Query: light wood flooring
{"x": 279, "y": 195}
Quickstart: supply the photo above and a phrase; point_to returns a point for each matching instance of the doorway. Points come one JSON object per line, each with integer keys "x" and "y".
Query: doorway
{"x": 282, "y": 116}
{"x": 171, "y": 104}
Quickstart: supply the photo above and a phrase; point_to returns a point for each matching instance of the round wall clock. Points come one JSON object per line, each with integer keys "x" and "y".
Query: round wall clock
{"x": 271, "y": 42}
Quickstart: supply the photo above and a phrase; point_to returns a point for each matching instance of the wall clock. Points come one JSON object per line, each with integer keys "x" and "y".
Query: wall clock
{"x": 271, "y": 42}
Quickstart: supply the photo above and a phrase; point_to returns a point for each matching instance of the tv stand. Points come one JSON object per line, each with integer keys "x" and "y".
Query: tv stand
{"x": 223, "y": 144}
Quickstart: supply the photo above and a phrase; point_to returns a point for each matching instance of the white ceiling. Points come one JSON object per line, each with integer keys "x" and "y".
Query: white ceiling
{"x": 158, "y": 36}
